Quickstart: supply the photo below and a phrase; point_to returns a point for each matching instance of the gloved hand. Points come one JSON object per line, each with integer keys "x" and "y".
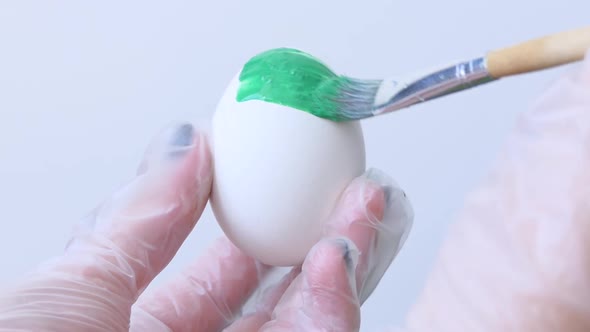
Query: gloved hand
{"x": 518, "y": 259}
{"x": 98, "y": 283}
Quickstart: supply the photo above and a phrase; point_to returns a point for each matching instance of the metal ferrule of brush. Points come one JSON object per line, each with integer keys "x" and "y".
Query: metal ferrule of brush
{"x": 398, "y": 94}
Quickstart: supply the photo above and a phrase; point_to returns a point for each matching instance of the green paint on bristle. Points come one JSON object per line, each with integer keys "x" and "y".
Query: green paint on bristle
{"x": 292, "y": 78}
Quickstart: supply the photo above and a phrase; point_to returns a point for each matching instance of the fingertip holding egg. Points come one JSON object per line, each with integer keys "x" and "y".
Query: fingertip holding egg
{"x": 278, "y": 173}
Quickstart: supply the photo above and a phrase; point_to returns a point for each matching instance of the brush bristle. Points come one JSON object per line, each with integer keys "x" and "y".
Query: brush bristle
{"x": 352, "y": 99}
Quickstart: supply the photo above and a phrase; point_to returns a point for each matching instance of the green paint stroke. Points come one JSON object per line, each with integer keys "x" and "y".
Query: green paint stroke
{"x": 291, "y": 78}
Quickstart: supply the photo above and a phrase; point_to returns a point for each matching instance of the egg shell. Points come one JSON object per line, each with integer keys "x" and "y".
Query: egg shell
{"x": 278, "y": 173}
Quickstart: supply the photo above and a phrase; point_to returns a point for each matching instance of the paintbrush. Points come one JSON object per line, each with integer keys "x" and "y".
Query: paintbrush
{"x": 294, "y": 78}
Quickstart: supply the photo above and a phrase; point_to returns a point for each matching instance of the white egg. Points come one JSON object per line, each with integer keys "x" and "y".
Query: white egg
{"x": 279, "y": 172}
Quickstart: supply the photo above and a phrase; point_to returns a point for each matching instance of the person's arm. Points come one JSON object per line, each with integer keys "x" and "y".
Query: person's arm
{"x": 518, "y": 259}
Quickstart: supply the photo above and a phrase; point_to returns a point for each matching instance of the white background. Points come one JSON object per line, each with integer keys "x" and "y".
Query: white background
{"x": 84, "y": 85}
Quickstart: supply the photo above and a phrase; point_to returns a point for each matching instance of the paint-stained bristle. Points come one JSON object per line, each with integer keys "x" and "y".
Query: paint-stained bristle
{"x": 296, "y": 79}
{"x": 354, "y": 98}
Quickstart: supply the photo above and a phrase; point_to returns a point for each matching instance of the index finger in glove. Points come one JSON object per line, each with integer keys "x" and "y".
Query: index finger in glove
{"x": 365, "y": 232}
{"x": 378, "y": 222}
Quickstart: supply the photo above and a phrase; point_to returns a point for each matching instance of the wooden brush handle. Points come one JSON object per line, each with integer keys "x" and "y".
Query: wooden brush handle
{"x": 546, "y": 52}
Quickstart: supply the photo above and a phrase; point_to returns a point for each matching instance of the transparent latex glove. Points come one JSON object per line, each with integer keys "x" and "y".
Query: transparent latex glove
{"x": 518, "y": 259}
{"x": 98, "y": 283}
